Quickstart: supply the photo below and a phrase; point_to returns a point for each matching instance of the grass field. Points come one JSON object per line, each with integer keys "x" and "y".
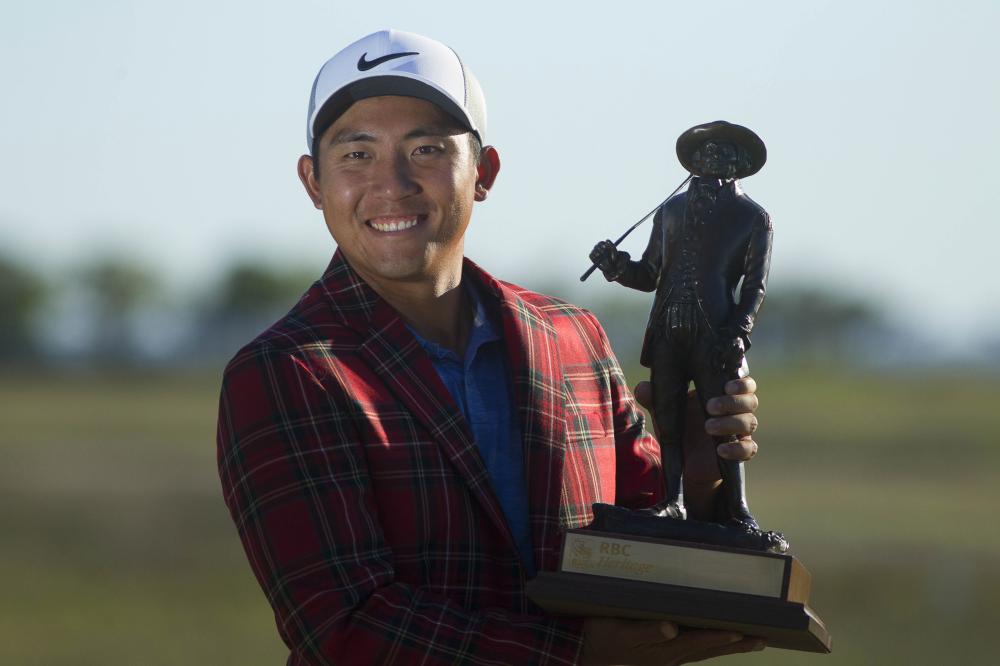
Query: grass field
{"x": 117, "y": 548}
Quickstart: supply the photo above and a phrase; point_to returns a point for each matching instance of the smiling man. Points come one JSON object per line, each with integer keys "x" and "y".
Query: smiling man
{"x": 406, "y": 447}
{"x": 396, "y": 178}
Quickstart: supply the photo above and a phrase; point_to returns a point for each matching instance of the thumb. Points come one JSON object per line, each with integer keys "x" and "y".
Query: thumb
{"x": 669, "y": 630}
{"x": 643, "y": 393}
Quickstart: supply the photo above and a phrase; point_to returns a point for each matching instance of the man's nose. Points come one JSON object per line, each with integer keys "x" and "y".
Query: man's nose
{"x": 394, "y": 177}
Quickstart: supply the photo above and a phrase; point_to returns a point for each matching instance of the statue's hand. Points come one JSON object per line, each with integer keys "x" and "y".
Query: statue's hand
{"x": 729, "y": 352}
{"x": 609, "y": 259}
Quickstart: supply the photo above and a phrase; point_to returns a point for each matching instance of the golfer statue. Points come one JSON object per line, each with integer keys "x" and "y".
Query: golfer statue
{"x": 707, "y": 259}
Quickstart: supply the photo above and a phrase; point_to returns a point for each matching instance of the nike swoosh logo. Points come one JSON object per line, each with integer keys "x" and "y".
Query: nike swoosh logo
{"x": 365, "y": 65}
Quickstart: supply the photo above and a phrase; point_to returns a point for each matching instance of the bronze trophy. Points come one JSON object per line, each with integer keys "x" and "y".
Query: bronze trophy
{"x": 707, "y": 260}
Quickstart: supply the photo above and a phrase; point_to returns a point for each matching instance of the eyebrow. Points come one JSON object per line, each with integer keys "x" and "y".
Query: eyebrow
{"x": 432, "y": 131}
{"x": 351, "y": 136}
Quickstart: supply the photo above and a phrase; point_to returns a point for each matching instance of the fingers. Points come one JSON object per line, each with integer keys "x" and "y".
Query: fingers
{"x": 730, "y": 415}
{"x": 743, "y": 385}
{"x": 698, "y": 644}
{"x": 643, "y": 632}
{"x": 744, "y": 645}
{"x": 742, "y": 449}
{"x": 741, "y": 403}
{"x": 630, "y": 632}
{"x": 615, "y": 641}
{"x": 598, "y": 250}
{"x": 733, "y": 414}
{"x": 668, "y": 630}
{"x": 740, "y": 397}
{"x": 741, "y": 425}
{"x": 603, "y": 252}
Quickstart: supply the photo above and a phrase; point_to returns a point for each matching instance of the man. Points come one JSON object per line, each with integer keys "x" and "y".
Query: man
{"x": 405, "y": 448}
{"x": 707, "y": 245}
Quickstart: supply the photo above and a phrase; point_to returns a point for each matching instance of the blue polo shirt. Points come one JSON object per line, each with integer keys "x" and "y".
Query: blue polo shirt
{"x": 480, "y": 385}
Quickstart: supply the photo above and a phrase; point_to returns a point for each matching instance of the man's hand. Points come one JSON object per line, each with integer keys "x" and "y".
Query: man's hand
{"x": 638, "y": 642}
{"x": 731, "y": 414}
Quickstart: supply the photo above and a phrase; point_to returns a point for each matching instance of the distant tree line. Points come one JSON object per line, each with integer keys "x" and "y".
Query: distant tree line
{"x": 116, "y": 311}
{"x": 798, "y": 325}
{"x": 22, "y": 296}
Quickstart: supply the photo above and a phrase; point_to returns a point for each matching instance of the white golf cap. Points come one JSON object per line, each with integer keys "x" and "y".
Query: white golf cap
{"x": 393, "y": 62}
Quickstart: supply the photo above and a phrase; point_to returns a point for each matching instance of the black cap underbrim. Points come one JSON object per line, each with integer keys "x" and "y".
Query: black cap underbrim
{"x": 376, "y": 86}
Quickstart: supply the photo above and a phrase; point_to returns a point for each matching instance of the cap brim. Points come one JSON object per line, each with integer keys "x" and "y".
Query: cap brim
{"x": 721, "y": 130}
{"x": 377, "y": 86}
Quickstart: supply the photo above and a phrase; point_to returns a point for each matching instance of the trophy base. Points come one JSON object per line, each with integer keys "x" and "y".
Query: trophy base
{"x": 616, "y": 519}
{"x": 785, "y": 624}
{"x": 632, "y": 565}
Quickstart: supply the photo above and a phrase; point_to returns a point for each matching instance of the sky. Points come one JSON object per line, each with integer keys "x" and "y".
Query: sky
{"x": 168, "y": 132}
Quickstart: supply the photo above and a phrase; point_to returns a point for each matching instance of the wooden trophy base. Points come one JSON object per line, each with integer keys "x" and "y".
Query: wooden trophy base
{"x": 710, "y": 586}
{"x": 785, "y": 624}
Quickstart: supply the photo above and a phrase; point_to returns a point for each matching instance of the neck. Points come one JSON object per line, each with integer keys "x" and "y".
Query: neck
{"x": 711, "y": 181}
{"x": 438, "y": 308}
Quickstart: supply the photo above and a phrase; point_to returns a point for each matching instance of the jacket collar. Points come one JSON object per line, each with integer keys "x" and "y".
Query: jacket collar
{"x": 535, "y": 365}
{"x": 536, "y": 379}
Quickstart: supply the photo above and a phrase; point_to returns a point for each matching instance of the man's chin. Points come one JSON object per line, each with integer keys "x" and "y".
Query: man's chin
{"x": 420, "y": 265}
{"x": 394, "y": 269}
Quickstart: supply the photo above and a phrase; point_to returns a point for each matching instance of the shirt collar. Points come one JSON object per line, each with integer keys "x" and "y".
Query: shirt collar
{"x": 483, "y": 329}
{"x": 727, "y": 191}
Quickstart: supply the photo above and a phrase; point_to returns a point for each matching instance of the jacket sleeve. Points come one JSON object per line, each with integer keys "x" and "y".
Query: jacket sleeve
{"x": 297, "y": 487}
{"x": 638, "y": 478}
{"x": 644, "y": 274}
{"x": 756, "y": 267}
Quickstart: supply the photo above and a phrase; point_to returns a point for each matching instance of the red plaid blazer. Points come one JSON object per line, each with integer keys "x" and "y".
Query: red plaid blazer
{"x": 360, "y": 496}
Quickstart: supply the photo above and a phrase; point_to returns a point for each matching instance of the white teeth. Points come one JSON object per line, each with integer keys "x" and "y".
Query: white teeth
{"x": 394, "y": 226}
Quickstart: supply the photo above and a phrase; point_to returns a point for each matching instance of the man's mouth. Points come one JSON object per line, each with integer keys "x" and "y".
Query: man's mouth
{"x": 393, "y": 223}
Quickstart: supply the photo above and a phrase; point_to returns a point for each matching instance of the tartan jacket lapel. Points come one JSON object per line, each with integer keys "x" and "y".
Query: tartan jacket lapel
{"x": 537, "y": 373}
{"x": 394, "y": 353}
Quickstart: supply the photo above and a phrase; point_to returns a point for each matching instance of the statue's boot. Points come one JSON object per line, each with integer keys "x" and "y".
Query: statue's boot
{"x": 672, "y": 505}
{"x": 735, "y": 496}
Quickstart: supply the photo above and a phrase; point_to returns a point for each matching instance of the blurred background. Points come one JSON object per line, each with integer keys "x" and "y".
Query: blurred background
{"x": 151, "y": 223}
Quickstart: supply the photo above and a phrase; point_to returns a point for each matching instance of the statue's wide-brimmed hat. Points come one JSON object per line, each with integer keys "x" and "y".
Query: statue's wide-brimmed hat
{"x": 722, "y": 131}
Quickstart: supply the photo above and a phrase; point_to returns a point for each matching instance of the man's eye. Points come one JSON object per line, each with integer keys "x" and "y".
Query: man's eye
{"x": 356, "y": 155}
{"x": 427, "y": 150}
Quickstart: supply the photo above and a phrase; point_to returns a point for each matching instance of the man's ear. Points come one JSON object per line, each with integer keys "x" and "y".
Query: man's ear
{"x": 486, "y": 171}
{"x": 308, "y": 177}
